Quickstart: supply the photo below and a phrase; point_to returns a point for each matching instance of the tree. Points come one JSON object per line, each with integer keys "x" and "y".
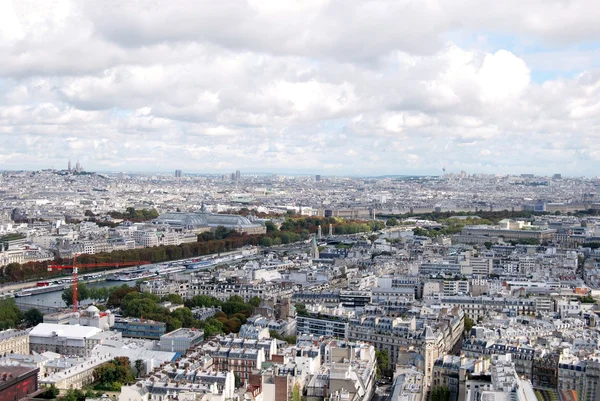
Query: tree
{"x": 383, "y": 361}
{"x": 255, "y": 301}
{"x": 440, "y": 393}
{"x": 588, "y": 299}
{"x": 137, "y": 304}
{"x": 185, "y": 316}
{"x": 391, "y": 222}
{"x": 10, "y": 314}
{"x": 235, "y": 305}
{"x": 270, "y": 226}
{"x": 266, "y": 241}
{"x": 173, "y": 298}
{"x": 73, "y": 395}
{"x": 83, "y": 293}
{"x": 112, "y": 375}
{"x": 300, "y": 309}
{"x": 468, "y": 324}
{"x": 274, "y": 334}
{"x": 173, "y": 323}
{"x": 50, "y": 393}
{"x": 221, "y": 232}
{"x": 296, "y": 393}
{"x": 203, "y": 301}
{"x": 139, "y": 367}
{"x": 117, "y": 295}
{"x": 33, "y": 317}
{"x": 420, "y": 232}
{"x": 99, "y": 294}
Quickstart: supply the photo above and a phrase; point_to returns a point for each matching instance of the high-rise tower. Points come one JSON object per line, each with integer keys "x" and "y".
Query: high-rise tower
{"x": 430, "y": 355}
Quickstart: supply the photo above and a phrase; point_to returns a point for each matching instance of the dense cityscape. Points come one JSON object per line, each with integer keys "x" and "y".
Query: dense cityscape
{"x": 144, "y": 287}
{"x": 299, "y": 200}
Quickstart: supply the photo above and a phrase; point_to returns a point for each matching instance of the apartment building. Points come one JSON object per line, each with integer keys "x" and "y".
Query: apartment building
{"x": 181, "y": 340}
{"x": 456, "y": 287}
{"x": 480, "y": 307}
{"x": 347, "y": 373}
{"x": 224, "y": 291}
{"x": 322, "y": 324}
{"x": 77, "y": 376}
{"x": 14, "y": 342}
{"x": 140, "y": 328}
{"x": 509, "y": 234}
{"x": 241, "y": 360}
{"x": 397, "y": 335}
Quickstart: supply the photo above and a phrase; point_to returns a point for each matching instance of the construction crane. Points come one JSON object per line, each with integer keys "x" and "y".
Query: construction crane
{"x": 75, "y": 276}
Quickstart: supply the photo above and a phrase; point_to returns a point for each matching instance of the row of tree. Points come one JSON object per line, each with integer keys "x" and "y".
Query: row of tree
{"x": 16, "y": 272}
{"x": 100, "y": 294}
{"x": 135, "y": 215}
{"x": 52, "y": 392}
{"x": 220, "y": 240}
{"x": 495, "y": 216}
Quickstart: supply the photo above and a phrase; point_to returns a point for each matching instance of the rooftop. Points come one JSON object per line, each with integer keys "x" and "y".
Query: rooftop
{"x": 62, "y": 330}
{"x": 184, "y": 332}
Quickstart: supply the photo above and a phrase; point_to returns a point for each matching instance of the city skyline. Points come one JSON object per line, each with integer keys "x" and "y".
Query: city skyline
{"x": 237, "y": 173}
{"x": 309, "y": 174}
{"x": 322, "y": 87}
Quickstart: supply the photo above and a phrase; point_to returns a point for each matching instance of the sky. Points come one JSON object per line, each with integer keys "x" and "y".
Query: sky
{"x": 331, "y": 87}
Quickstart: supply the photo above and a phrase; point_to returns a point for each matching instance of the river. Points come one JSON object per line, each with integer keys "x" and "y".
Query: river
{"x": 54, "y": 300}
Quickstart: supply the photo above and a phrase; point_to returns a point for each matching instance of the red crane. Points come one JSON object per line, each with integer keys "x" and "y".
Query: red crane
{"x": 75, "y": 277}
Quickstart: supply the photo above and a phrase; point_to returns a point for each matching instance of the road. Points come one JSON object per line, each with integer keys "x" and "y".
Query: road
{"x": 30, "y": 284}
{"x": 5, "y": 288}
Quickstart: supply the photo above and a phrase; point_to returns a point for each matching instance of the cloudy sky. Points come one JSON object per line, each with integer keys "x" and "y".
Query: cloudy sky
{"x": 306, "y": 86}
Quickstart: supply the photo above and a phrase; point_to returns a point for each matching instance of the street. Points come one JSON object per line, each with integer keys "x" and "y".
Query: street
{"x": 381, "y": 393}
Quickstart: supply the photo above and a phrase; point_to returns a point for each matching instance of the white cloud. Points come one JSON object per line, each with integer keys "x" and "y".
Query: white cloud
{"x": 336, "y": 86}
{"x": 503, "y": 76}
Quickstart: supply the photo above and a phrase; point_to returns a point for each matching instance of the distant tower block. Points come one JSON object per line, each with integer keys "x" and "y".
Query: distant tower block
{"x": 69, "y": 165}
{"x": 318, "y": 177}
{"x": 178, "y": 173}
{"x": 319, "y": 233}
{"x": 331, "y": 230}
